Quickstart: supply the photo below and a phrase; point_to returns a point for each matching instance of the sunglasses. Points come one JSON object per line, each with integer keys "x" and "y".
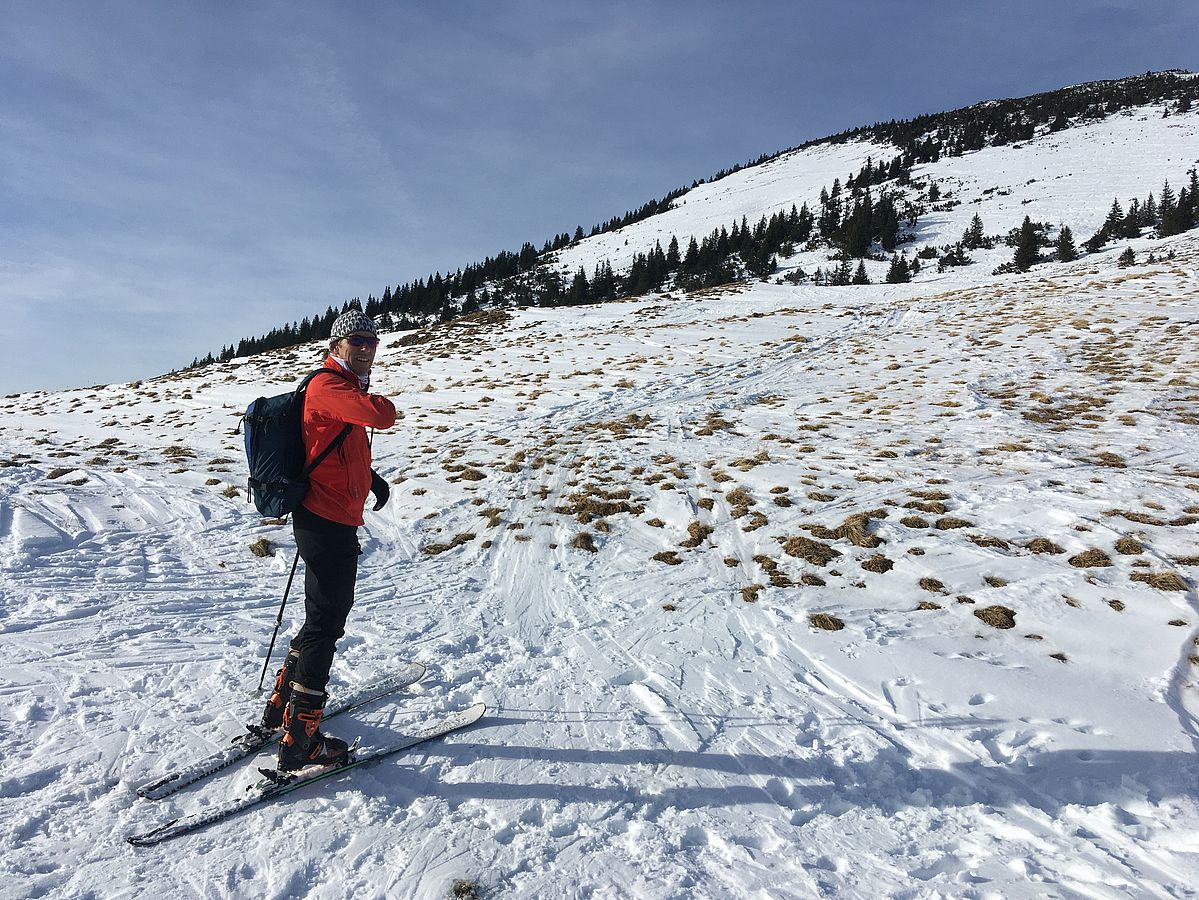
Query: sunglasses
{"x": 358, "y": 340}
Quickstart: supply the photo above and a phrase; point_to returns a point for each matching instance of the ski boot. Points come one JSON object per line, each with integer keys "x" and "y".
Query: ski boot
{"x": 302, "y": 743}
{"x": 272, "y": 716}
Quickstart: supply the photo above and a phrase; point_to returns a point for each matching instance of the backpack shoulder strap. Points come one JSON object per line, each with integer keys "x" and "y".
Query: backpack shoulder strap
{"x": 342, "y": 435}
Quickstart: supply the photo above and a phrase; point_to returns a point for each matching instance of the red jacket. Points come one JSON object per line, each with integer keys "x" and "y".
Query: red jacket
{"x": 340, "y": 484}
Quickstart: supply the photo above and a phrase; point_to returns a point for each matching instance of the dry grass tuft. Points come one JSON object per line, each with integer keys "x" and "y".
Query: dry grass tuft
{"x": 584, "y": 540}
{"x": 592, "y": 502}
{"x": 826, "y": 622}
{"x": 987, "y": 540}
{"x": 1092, "y": 558}
{"x": 928, "y": 604}
{"x": 877, "y": 563}
{"x": 1129, "y": 546}
{"x": 932, "y": 585}
{"x": 750, "y": 592}
{"x": 262, "y": 547}
{"x": 927, "y": 506}
{"x": 697, "y": 533}
{"x": 816, "y": 553}
{"x": 914, "y": 522}
{"x": 1043, "y": 545}
{"x": 670, "y": 557}
{"x": 997, "y": 616}
{"x": 946, "y": 523}
{"x": 740, "y": 501}
{"x": 1133, "y": 516}
{"x": 1162, "y": 581}
{"x": 854, "y": 529}
{"x": 458, "y": 541}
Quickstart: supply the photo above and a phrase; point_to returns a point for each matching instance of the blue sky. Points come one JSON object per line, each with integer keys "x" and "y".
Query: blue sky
{"x": 177, "y": 176}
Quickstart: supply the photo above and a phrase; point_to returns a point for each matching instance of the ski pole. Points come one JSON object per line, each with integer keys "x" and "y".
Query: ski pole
{"x": 278, "y": 622}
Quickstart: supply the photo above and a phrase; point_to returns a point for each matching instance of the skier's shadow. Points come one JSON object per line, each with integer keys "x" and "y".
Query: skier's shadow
{"x": 660, "y": 778}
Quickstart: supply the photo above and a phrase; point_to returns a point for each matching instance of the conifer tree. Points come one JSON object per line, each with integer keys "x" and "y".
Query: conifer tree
{"x": 1184, "y": 212}
{"x": 1027, "y": 246}
{"x": 579, "y": 288}
{"x": 1115, "y": 215}
{"x": 974, "y": 236}
{"x": 860, "y": 276}
{"x": 672, "y": 254}
{"x": 1066, "y": 250}
{"x": 898, "y": 273}
{"x": 1165, "y": 208}
{"x": 1149, "y": 216}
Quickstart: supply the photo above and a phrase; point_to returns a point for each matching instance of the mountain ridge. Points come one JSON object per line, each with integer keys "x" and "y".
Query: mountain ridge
{"x": 532, "y": 277}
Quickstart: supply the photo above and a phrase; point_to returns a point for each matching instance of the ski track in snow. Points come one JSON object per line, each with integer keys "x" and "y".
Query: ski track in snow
{"x": 716, "y": 748}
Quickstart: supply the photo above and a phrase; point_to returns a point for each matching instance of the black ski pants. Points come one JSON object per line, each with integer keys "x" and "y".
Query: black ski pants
{"x": 330, "y": 553}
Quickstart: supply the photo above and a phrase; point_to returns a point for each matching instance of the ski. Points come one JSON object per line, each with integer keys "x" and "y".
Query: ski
{"x": 274, "y": 785}
{"x": 252, "y": 741}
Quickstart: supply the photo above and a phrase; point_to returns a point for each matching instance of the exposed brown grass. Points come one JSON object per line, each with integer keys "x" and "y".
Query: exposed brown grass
{"x": 854, "y": 529}
{"x": 1162, "y": 581}
{"x": 877, "y": 563}
{"x": 670, "y": 557}
{"x": 262, "y": 547}
{"x": 1133, "y": 516}
{"x": 1043, "y": 545}
{"x": 697, "y": 533}
{"x": 1088, "y": 559}
{"x": 593, "y": 502}
{"x": 458, "y": 541}
{"x": 928, "y": 506}
{"x": 584, "y": 540}
{"x": 826, "y": 622}
{"x": 778, "y": 578}
{"x": 1129, "y": 546}
{"x": 946, "y": 523}
{"x": 997, "y": 616}
{"x": 816, "y": 553}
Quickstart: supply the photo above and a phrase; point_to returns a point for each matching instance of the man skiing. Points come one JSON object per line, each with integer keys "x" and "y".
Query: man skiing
{"x": 326, "y": 531}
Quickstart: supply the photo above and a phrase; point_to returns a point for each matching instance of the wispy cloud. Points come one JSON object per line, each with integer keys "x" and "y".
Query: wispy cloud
{"x": 190, "y": 174}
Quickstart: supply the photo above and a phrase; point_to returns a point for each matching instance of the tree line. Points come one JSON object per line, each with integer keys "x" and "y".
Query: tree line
{"x": 853, "y": 218}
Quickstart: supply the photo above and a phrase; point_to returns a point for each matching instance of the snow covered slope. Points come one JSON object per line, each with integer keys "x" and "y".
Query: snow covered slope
{"x": 627, "y": 528}
{"x": 1066, "y": 177}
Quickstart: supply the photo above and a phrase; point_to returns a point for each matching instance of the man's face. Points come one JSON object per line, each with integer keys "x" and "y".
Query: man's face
{"x": 358, "y": 350}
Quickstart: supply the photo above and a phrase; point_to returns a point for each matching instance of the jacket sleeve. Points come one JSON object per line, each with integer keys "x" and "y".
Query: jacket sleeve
{"x": 335, "y": 399}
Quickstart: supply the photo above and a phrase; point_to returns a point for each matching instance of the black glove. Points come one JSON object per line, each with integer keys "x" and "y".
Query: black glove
{"x": 380, "y": 489}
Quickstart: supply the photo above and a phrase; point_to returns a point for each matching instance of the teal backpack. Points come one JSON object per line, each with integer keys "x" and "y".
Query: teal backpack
{"x": 275, "y": 450}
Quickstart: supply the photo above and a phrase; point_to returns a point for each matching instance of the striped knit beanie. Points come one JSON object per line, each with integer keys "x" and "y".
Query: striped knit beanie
{"x": 350, "y": 321}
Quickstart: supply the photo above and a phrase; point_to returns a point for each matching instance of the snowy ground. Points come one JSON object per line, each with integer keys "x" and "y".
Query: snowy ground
{"x": 594, "y": 528}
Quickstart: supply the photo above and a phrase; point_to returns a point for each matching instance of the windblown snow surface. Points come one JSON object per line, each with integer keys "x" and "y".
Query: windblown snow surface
{"x": 615, "y": 525}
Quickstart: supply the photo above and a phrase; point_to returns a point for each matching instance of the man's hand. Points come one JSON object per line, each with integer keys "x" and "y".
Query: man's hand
{"x": 380, "y": 489}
